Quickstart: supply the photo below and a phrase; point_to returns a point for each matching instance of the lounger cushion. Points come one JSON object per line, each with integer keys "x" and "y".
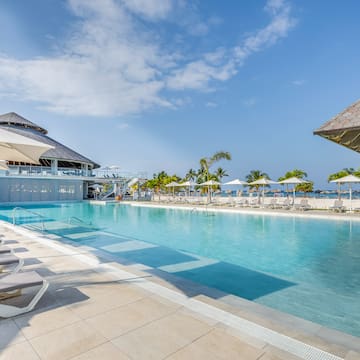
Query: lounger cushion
{"x": 20, "y": 281}
{"x": 8, "y": 259}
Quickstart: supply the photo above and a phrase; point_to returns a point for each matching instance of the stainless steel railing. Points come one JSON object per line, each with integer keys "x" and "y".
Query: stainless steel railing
{"x": 33, "y": 213}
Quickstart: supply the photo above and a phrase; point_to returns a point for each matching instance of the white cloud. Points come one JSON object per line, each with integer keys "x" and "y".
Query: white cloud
{"x": 250, "y": 102}
{"x": 113, "y": 64}
{"x": 211, "y": 104}
{"x": 273, "y": 6}
{"x": 152, "y": 9}
{"x": 198, "y": 74}
{"x": 123, "y": 126}
{"x": 222, "y": 65}
{"x": 278, "y": 28}
{"x": 298, "y": 82}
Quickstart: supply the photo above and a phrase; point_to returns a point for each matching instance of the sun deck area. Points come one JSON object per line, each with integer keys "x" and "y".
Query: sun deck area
{"x": 96, "y": 307}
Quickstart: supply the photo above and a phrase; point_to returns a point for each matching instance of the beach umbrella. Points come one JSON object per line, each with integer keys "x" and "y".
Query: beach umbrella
{"x": 14, "y": 147}
{"x": 294, "y": 181}
{"x": 172, "y": 184}
{"x": 209, "y": 184}
{"x": 236, "y": 182}
{"x": 189, "y": 184}
{"x": 349, "y": 179}
{"x": 264, "y": 182}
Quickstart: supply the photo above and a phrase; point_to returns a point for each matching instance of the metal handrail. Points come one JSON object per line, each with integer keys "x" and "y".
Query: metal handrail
{"x": 30, "y": 212}
{"x": 74, "y": 218}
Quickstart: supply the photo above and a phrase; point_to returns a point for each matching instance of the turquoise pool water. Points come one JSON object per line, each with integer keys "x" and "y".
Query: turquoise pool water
{"x": 306, "y": 267}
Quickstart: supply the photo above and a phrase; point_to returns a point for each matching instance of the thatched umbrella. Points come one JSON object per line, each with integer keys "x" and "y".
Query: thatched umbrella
{"x": 344, "y": 128}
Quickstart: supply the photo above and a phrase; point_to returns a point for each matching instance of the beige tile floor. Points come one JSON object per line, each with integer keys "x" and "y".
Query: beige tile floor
{"x": 85, "y": 314}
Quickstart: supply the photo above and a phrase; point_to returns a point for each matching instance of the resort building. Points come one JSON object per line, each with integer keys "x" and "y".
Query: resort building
{"x": 62, "y": 173}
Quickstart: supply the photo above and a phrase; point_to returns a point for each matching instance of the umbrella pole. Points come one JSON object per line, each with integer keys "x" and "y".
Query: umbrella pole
{"x": 350, "y": 194}
{"x": 263, "y": 194}
{"x": 294, "y": 195}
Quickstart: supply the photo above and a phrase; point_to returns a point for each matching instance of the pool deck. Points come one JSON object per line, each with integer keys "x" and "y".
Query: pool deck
{"x": 314, "y": 212}
{"x": 96, "y": 308}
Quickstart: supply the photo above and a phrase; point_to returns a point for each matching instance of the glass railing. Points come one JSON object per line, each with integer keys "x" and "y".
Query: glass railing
{"x": 46, "y": 171}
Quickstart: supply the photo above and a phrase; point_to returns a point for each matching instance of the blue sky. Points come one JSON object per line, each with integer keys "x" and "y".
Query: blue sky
{"x": 154, "y": 85}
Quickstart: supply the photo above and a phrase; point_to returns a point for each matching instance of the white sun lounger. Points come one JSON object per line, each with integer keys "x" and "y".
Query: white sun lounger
{"x": 303, "y": 205}
{"x": 273, "y": 204}
{"x": 242, "y": 203}
{"x": 5, "y": 250}
{"x": 9, "y": 259}
{"x": 338, "y": 206}
{"x": 12, "y": 284}
{"x": 286, "y": 204}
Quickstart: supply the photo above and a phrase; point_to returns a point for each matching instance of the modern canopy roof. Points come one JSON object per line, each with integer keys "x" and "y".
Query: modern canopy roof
{"x": 16, "y": 124}
{"x": 344, "y": 128}
{"x": 14, "y": 147}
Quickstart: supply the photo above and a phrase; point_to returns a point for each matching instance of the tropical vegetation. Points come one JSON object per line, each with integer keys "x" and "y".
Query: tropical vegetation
{"x": 305, "y": 187}
{"x": 256, "y": 175}
{"x": 344, "y": 172}
{"x": 205, "y": 173}
{"x": 160, "y": 180}
{"x": 301, "y": 174}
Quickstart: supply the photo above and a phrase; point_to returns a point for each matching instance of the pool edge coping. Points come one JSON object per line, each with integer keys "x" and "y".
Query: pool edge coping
{"x": 234, "y": 321}
{"x": 248, "y": 211}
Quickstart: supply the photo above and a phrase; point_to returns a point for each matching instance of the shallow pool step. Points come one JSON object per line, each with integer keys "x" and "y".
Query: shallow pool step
{"x": 189, "y": 265}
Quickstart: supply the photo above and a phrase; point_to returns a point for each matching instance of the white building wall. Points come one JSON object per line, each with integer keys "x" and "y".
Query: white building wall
{"x": 14, "y": 189}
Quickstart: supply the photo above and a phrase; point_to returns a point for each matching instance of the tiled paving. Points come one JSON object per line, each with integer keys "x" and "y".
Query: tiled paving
{"x": 86, "y": 314}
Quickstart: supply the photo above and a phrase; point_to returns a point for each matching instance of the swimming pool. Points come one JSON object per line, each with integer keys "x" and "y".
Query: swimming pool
{"x": 303, "y": 266}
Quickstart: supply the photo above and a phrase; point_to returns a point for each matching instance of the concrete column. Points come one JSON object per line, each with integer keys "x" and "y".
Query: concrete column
{"x": 54, "y": 166}
{"x": 84, "y": 170}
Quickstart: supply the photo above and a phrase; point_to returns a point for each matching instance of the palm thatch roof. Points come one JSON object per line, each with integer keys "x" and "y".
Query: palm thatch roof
{"x": 344, "y": 128}
{"x": 12, "y": 118}
{"x": 17, "y": 124}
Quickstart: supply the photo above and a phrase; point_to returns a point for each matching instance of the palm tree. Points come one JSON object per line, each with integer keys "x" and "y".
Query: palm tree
{"x": 256, "y": 175}
{"x": 159, "y": 181}
{"x": 220, "y": 173}
{"x": 305, "y": 187}
{"x": 340, "y": 174}
{"x": 301, "y": 174}
{"x": 206, "y": 163}
{"x": 191, "y": 175}
{"x": 350, "y": 171}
